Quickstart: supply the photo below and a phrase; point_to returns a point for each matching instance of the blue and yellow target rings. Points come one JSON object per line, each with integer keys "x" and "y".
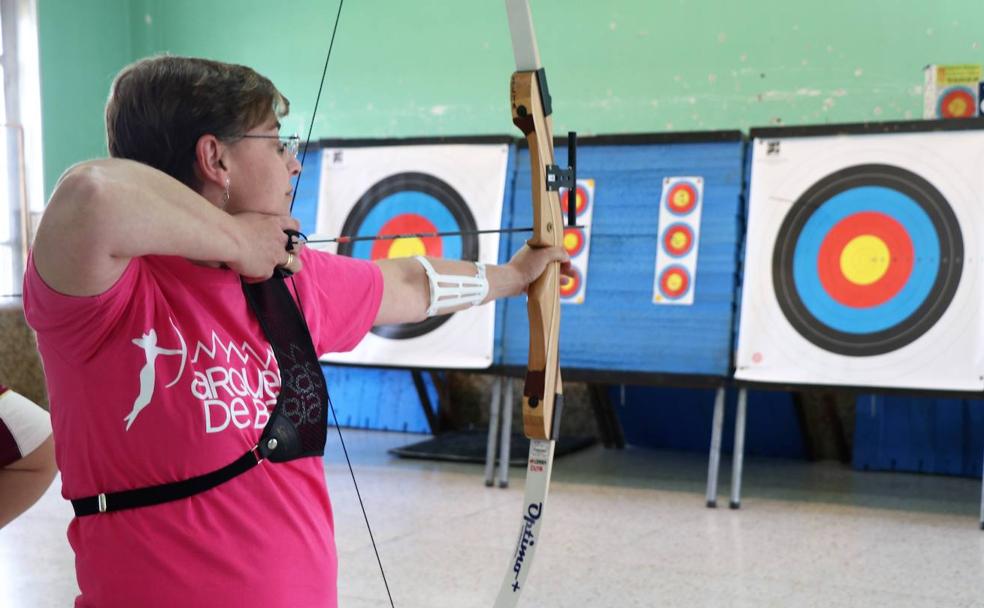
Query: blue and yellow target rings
{"x": 867, "y": 260}
{"x": 569, "y": 286}
{"x": 408, "y": 203}
{"x": 674, "y": 282}
{"x": 574, "y": 241}
{"x": 682, "y": 198}
{"x": 678, "y": 240}
{"x": 580, "y": 197}
{"x": 957, "y": 102}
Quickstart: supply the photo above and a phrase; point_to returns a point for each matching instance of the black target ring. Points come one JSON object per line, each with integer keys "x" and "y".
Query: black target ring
{"x": 445, "y": 195}
{"x": 930, "y": 310}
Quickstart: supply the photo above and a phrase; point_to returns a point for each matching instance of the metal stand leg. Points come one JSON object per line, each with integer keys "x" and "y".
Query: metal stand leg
{"x": 504, "y": 447}
{"x": 715, "y": 454}
{"x": 982, "y": 501}
{"x": 738, "y": 460}
{"x": 494, "y": 408}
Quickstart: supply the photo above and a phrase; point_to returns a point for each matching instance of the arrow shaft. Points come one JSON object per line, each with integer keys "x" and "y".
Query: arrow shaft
{"x": 418, "y": 235}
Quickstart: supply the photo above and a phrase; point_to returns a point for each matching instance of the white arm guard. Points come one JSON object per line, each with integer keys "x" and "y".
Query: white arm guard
{"x": 449, "y": 290}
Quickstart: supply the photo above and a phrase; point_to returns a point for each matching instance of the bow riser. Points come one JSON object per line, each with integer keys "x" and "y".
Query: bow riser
{"x": 543, "y": 376}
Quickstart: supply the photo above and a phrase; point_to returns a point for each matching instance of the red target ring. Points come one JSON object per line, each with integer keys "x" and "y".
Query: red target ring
{"x": 678, "y": 240}
{"x": 581, "y": 200}
{"x": 958, "y": 102}
{"x": 574, "y": 241}
{"x": 892, "y": 274}
{"x": 674, "y": 282}
{"x": 569, "y": 286}
{"x": 407, "y": 223}
{"x": 682, "y": 198}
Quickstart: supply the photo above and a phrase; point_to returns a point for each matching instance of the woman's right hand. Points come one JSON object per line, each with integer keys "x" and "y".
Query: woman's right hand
{"x": 263, "y": 245}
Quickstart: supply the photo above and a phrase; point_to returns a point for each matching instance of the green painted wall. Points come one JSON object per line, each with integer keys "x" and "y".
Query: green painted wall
{"x": 83, "y": 45}
{"x": 440, "y": 67}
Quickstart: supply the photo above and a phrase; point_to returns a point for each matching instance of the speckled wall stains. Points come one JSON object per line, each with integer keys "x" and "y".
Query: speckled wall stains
{"x": 439, "y": 67}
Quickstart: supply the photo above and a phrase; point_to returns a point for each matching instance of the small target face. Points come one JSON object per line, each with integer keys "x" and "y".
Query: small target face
{"x": 957, "y": 102}
{"x": 569, "y": 286}
{"x": 574, "y": 241}
{"x": 581, "y": 198}
{"x": 674, "y": 282}
{"x": 867, "y": 260}
{"x": 682, "y": 198}
{"x": 678, "y": 240}
{"x": 408, "y": 203}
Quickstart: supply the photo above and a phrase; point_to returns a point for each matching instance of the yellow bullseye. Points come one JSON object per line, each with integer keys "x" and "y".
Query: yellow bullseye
{"x": 865, "y": 259}
{"x": 674, "y": 282}
{"x": 679, "y": 240}
{"x": 570, "y": 241}
{"x": 957, "y": 107}
{"x": 681, "y": 199}
{"x": 406, "y": 248}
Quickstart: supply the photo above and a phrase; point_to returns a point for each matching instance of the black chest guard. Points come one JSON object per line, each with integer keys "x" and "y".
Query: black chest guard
{"x": 297, "y": 428}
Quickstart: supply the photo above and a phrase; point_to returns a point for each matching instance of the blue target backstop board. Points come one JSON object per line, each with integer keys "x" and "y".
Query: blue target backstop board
{"x": 619, "y": 330}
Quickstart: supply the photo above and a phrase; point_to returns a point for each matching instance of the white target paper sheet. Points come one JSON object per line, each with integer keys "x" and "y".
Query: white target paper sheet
{"x": 577, "y": 243}
{"x": 411, "y": 189}
{"x": 863, "y": 262}
{"x": 678, "y": 230}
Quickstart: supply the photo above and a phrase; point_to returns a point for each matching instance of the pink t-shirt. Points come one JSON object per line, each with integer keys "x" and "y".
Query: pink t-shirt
{"x": 165, "y": 376}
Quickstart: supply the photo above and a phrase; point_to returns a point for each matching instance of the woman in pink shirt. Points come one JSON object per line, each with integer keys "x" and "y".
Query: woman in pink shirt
{"x": 147, "y": 286}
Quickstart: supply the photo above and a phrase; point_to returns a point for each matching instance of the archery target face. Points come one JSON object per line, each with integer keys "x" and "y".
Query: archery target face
{"x": 409, "y": 203}
{"x": 577, "y": 241}
{"x": 402, "y": 190}
{"x": 957, "y": 102}
{"x": 862, "y": 263}
{"x": 679, "y": 232}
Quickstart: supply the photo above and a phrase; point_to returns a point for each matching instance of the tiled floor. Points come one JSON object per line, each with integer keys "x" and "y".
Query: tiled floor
{"x": 623, "y": 529}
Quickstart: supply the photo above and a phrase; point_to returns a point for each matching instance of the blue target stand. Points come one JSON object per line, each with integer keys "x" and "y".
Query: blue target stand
{"x": 618, "y": 335}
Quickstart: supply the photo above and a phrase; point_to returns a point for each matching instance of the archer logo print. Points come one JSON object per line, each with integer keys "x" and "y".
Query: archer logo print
{"x": 148, "y": 373}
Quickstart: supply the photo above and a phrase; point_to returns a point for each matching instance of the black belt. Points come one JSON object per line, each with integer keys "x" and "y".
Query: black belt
{"x": 155, "y": 495}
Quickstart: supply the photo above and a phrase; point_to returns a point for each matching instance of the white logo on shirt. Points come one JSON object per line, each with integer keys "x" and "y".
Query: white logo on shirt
{"x": 236, "y": 385}
{"x": 148, "y": 373}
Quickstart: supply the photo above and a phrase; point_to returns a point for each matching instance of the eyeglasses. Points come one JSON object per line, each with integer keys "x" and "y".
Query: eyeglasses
{"x": 288, "y": 145}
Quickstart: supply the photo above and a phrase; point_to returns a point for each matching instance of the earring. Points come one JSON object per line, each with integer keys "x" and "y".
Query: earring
{"x": 225, "y": 193}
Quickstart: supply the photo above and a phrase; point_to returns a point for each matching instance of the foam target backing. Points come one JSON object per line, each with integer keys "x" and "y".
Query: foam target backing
{"x": 392, "y": 190}
{"x": 863, "y": 263}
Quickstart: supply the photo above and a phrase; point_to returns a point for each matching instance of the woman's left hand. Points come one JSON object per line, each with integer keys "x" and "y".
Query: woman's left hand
{"x": 530, "y": 263}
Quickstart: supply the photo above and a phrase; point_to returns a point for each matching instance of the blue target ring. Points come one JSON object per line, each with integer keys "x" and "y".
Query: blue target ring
{"x": 896, "y": 310}
{"x": 409, "y": 201}
{"x": 927, "y": 221}
{"x": 423, "y": 195}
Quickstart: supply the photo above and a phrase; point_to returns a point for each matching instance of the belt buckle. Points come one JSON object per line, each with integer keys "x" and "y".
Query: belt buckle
{"x": 256, "y": 453}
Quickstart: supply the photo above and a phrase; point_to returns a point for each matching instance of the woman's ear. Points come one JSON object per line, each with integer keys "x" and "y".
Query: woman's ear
{"x": 210, "y": 155}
